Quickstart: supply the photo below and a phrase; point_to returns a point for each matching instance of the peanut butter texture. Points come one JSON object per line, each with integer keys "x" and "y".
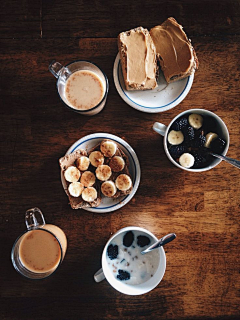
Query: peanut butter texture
{"x": 173, "y": 48}
{"x": 140, "y": 59}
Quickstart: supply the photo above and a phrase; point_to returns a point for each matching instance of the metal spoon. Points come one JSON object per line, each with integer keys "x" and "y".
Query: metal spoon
{"x": 169, "y": 237}
{"x": 234, "y": 162}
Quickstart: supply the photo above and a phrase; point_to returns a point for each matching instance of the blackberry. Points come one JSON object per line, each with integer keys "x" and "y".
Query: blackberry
{"x": 123, "y": 275}
{"x": 218, "y": 145}
{"x": 179, "y": 124}
{"x": 128, "y": 239}
{"x": 143, "y": 241}
{"x": 189, "y": 134}
{"x": 177, "y": 151}
{"x": 112, "y": 251}
{"x": 199, "y": 159}
{"x": 199, "y": 141}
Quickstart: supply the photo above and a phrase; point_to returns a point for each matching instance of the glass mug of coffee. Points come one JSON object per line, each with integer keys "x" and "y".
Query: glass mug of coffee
{"x": 40, "y": 250}
{"x": 82, "y": 86}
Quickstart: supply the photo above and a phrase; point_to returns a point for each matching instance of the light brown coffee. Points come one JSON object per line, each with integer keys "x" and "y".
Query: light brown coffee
{"x": 39, "y": 251}
{"x": 84, "y": 90}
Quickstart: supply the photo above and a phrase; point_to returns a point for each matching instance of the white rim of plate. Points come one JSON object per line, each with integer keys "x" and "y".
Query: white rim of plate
{"x": 120, "y": 202}
{"x": 124, "y": 94}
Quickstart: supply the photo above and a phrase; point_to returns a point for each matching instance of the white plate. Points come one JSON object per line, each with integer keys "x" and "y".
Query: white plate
{"x": 88, "y": 142}
{"x": 164, "y": 97}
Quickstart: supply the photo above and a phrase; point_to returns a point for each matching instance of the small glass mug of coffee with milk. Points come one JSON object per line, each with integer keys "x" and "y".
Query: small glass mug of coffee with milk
{"x": 40, "y": 250}
{"x": 82, "y": 86}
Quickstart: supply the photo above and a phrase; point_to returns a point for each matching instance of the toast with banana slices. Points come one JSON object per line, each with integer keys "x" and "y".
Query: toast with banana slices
{"x": 103, "y": 171}
{"x": 119, "y": 182}
{"x": 82, "y": 188}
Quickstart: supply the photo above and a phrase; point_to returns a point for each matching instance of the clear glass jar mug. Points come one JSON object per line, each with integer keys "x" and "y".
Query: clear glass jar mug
{"x": 40, "y": 250}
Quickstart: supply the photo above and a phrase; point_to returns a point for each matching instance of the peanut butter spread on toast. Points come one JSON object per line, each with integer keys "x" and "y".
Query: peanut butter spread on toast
{"x": 174, "y": 50}
{"x": 140, "y": 59}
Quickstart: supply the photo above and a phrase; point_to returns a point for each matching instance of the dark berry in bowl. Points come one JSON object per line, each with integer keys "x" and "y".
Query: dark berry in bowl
{"x": 200, "y": 159}
{"x": 112, "y": 251}
{"x": 123, "y": 275}
{"x": 179, "y": 124}
{"x": 143, "y": 241}
{"x": 189, "y": 134}
{"x": 177, "y": 151}
{"x": 199, "y": 141}
{"x": 128, "y": 239}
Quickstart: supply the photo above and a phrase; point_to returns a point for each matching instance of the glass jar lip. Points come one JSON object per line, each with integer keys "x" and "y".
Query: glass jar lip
{"x": 103, "y": 98}
{"x": 15, "y": 243}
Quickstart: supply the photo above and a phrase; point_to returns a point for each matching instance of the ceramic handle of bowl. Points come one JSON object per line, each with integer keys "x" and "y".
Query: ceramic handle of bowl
{"x": 99, "y": 275}
{"x": 160, "y": 128}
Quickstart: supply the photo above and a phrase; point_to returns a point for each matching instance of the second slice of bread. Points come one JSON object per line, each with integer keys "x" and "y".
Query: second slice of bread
{"x": 175, "y": 52}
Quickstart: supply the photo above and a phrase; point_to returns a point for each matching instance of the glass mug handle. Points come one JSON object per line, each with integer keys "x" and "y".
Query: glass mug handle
{"x": 58, "y": 70}
{"x": 34, "y": 218}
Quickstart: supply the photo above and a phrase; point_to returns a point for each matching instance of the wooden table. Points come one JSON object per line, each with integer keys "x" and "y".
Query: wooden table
{"x": 202, "y": 276}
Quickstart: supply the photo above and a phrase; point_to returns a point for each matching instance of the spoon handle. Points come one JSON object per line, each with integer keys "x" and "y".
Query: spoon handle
{"x": 164, "y": 240}
{"x": 234, "y": 162}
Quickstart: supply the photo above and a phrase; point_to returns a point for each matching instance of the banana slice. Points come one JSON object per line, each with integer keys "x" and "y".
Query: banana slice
{"x": 108, "y": 148}
{"x": 72, "y": 174}
{"x": 88, "y": 179}
{"x": 195, "y": 120}
{"x": 82, "y": 163}
{"x": 123, "y": 182}
{"x": 108, "y": 188}
{"x": 209, "y": 138}
{"x": 117, "y": 164}
{"x": 103, "y": 172}
{"x": 175, "y": 137}
{"x": 89, "y": 194}
{"x": 75, "y": 189}
{"x": 96, "y": 158}
{"x": 186, "y": 160}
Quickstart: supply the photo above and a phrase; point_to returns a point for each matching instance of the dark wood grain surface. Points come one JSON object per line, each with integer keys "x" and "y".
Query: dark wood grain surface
{"x": 202, "y": 277}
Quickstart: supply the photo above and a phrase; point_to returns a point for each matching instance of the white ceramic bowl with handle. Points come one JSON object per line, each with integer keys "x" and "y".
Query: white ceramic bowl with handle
{"x": 163, "y": 130}
{"x": 125, "y": 288}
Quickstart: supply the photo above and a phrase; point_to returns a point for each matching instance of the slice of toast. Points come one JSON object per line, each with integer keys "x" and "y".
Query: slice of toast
{"x": 175, "y": 53}
{"x": 70, "y": 160}
{"x": 138, "y": 59}
{"x": 77, "y": 202}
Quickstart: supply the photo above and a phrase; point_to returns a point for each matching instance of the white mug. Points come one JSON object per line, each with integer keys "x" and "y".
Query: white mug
{"x": 138, "y": 289}
{"x": 163, "y": 130}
